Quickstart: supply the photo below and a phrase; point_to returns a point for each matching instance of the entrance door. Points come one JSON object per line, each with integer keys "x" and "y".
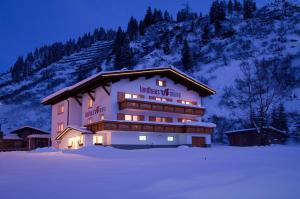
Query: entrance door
{"x": 198, "y": 141}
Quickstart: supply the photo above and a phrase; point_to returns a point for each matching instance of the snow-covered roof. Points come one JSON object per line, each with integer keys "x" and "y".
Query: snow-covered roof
{"x": 253, "y": 129}
{"x": 39, "y": 136}
{"x": 31, "y": 127}
{"x": 11, "y": 137}
{"x": 108, "y": 75}
{"x": 82, "y": 130}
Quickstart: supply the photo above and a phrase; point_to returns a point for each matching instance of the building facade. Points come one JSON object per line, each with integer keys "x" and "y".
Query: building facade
{"x": 25, "y": 138}
{"x": 251, "y": 137}
{"x": 159, "y": 107}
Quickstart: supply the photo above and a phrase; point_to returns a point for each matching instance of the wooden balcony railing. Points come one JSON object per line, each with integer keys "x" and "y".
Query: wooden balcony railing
{"x": 147, "y": 127}
{"x": 161, "y": 107}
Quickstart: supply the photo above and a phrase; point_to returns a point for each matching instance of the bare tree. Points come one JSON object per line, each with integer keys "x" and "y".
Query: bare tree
{"x": 260, "y": 86}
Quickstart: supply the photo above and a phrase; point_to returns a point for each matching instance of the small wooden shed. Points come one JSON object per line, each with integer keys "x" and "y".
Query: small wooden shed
{"x": 253, "y": 137}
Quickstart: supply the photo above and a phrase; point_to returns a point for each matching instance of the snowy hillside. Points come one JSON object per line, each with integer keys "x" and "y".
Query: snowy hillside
{"x": 273, "y": 32}
{"x": 179, "y": 173}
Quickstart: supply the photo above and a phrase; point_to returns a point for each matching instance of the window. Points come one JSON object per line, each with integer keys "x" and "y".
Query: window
{"x": 60, "y": 109}
{"x": 90, "y": 103}
{"x": 70, "y": 142}
{"x": 187, "y": 102}
{"x": 142, "y": 138}
{"x": 170, "y": 138}
{"x": 80, "y": 140}
{"x": 89, "y": 121}
{"x": 132, "y": 117}
{"x": 60, "y": 127}
{"x": 186, "y": 120}
{"x": 128, "y": 95}
{"x": 160, "y": 119}
{"x": 160, "y": 99}
{"x": 161, "y": 83}
{"x": 101, "y": 117}
{"x": 98, "y": 139}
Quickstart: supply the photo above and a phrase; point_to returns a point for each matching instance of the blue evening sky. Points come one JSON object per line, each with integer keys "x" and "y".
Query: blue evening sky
{"x": 25, "y": 25}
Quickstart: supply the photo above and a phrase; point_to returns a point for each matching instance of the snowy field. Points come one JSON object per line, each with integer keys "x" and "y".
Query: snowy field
{"x": 219, "y": 172}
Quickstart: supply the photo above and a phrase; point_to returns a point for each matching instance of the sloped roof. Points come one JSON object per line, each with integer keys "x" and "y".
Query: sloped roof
{"x": 30, "y": 127}
{"x": 253, "y": 130}
{"x": 103, "y": 78}
{"x": 82, "y": 130}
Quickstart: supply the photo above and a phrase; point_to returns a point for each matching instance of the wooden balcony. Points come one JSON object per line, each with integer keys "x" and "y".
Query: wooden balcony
{"x": 161, "y": 107}
{"x": 147, "y": 127}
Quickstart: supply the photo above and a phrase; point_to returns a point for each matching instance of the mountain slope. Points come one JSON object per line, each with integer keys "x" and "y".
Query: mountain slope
{"x": 274, "y": 32}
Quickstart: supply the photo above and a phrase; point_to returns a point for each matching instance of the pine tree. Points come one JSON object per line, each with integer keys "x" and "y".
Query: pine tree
{"x": 167, "y": 16}
{"x": 132, "y": 28}
{"x": 274, "y": 118}
{"x": 17, "y": 69}
{"x": 149, "y": 19}
{"x": 249, "y": 8}
{"x": 217, "y": 11}
{"x": 230, "y": 7}
{"x": 166, "y": 44}
{"x": 27, "y": 68}
{"x": 237, "y": 6}
{"x": 157, "y": 16}
{"x": 282, "y": 118}
{"x": 119, "y": 39}
{"x": 213, "y": 13}
{"x": 186, "y": 57}
{"x": 142, "y": 27}
{"x": 206, "y": 34}
{"x": 124, "y": 56}
{"x": 218, "y": 28}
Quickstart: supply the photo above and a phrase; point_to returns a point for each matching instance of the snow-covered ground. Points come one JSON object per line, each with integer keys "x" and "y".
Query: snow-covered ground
{"x": 216, "y": 172}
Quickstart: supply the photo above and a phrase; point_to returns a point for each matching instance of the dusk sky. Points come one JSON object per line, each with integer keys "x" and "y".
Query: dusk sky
{"x": 26, "y": 25}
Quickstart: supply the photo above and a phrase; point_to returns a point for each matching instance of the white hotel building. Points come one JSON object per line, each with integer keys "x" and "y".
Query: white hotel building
{"x": 157, "y": 107}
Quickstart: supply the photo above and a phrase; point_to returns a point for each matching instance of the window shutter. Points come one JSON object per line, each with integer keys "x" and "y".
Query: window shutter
{"x": 121, "y": 96}
{"x": 169, "y": 99}
{"x": 169, "y": 119}
{"x": 141, "y": 96}
{"x": 152, "y": 97}
{"x": 141, "y": 118}
{"x": 121, "y": 116}
{"x": 152, "y": 118}
{"x": 164, "y": 83}
{"x": 194, "y": 103}
{"x": 179, "y": 101}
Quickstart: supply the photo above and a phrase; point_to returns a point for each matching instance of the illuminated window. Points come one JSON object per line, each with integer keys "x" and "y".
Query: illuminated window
{"x": 98, "y": 139}
{"x": 158, "y": 98}
{"x": 127, "y": 95}
{"x": 61, "y": 109}
{"x": 170, "y": 138}
{"x": 128, "y": 117}
{"x": 60, "y": 127}
{"x": 132, "y": 117}
{"x": 164, "y": 99}
{"x": 89, "y": 121}
{"x": 80, "y": 140}
{"x": 163, "y": 119}
{"x": 186, "y": 120}
{"x": 70, "y": 142}
{"x": 135, "y": 118}
{"x": 186, "y": 102}
{"x": 90, "y": 103}
{"x": 161, "y": 83}
{"x": 142, "y": 138}
{"x": 102, "y": 117}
